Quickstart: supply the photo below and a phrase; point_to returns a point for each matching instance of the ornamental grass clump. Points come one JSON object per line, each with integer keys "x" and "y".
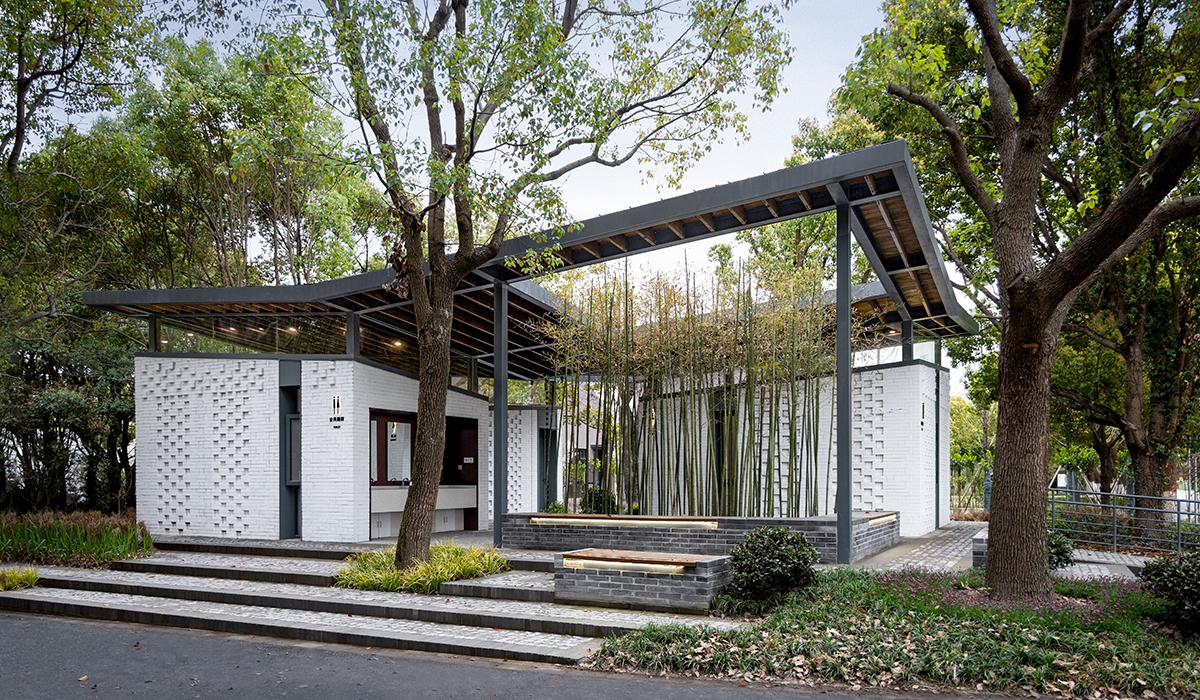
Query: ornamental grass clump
{"x": 376, "y": 571}
{"x": 16, "y": 579}
{"x": 768, "y": 564}
{"x": 85, "y": 538}
{"x": 911, "y": 628}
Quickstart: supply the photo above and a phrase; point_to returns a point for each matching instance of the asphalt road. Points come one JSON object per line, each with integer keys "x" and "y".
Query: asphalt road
{"x": 60, "y": 658}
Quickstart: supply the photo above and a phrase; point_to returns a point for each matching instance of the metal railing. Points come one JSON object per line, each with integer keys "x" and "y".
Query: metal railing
{"x": 1125, "y": 521}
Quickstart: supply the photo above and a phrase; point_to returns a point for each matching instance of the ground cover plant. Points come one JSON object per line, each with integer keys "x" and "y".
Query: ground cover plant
{"x": 376, "y": 571}
{"x": 18, "y": 578}
{"x": 909, "y": 628}
{"x": 85, "y": 538}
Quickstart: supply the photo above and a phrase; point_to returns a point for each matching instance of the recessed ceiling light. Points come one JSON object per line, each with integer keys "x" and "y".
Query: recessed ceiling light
{"x": 292, "y": 329}
{"x": 398, "y": 344}
{"x": 191, "y": 335}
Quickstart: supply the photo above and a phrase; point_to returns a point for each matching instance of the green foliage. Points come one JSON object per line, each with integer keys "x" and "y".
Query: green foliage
{"x": 598, "y": 500}
{"x": 1177, "y": 580}
{"x": 769, "y": 562}
{"x": 17, "y": 578}
{"x": 556, "y": 507}
{"x": 79, "y": 539}
{"x": 1062, "y": 552}
{"x": 902, "y": 628}
{"x": 376, "y": 571}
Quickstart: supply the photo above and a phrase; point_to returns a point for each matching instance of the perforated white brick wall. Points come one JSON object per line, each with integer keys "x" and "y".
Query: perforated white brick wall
{"x": 522, "y": 460}
{"x": 208, "y": 446}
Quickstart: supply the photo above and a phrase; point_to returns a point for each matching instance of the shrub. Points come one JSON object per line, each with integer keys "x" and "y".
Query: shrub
{"x": 769, "y": 562}
{"x": 598, "y": 499}
{"x": 85, "y": 538}
{"x": 556, "y": 507}
{"x": 1062, "y": 552}
{"x": 376, "y": 571}
{"x": 15, "y": 579}
{"x": 1177, "y": 580}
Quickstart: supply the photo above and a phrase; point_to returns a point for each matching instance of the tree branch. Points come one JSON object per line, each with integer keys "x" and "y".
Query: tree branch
{"x": 1132, "y": 218}
{"x": 1095, "y": 411}
{"x": 1101, "y": 339}
{"x": 960, "y": 160}
{"x": 985, "y": 18}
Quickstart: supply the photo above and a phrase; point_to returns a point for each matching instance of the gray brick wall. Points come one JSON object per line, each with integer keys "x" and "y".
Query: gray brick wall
{"x": 821, "y": 531}
{"x": 689, "y": 592}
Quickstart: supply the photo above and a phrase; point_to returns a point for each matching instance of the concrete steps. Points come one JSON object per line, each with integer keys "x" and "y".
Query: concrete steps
{"x": 534, "y": 586}
{"x": 334, "y": 628}
{"x": 509, "y": 615}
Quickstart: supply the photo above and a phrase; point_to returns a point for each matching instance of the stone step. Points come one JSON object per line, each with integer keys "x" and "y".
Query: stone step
{"x": 518, "y": 559}
{"x": 535, "y": 586}
{"x": 309, "y": 572}
{"x": 474, "y": 612}
{"x": 291, "y": 549}
{"x": 325, "y": 627}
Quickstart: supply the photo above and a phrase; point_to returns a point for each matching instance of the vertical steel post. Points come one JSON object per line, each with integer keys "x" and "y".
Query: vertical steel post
{"x": 473, "y": 375}
{"x": 906, "y": 339}
{"x": 352, "y": 334}
{"x": 1178, "y": 525}
{"x": 1113, "y": 505}
{"x": 154, "y": 335}
{"x": 844, "y": 422}
{"x": 499, "y": 408}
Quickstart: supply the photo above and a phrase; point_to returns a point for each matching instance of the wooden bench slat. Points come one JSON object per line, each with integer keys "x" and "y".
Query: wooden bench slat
{"x": 634, "y": 557}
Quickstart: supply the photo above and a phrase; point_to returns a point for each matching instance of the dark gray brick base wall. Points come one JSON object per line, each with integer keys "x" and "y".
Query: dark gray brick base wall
{"x": 688, "y": 592}
{"x": 821, "y": 531}
{"x": 979, "y": 549}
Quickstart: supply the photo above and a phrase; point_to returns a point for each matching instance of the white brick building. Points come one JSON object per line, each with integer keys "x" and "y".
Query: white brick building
{"x": 268, "y": 412}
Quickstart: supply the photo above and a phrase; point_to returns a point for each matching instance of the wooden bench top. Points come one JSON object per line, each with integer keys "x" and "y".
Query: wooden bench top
{"x": 627, "y": 556}
{"x": 602, "y": 516}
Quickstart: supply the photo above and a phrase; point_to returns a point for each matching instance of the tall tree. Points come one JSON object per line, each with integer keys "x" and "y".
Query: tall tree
{"x": 997, "y": 99}
{"x": 471, "y": 111}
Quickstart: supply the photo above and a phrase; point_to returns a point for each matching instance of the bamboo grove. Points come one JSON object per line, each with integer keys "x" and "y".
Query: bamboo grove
{"x": 700, "y": 396}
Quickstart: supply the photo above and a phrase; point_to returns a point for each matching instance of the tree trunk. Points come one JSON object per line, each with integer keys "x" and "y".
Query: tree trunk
{"x": 1017, "y": 564}
{"x": 1106, "y": 451}
{"x": 433, "y": 341}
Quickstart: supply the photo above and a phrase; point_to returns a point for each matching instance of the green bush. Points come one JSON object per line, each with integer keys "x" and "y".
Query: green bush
{"x": 556, "y": 507}
{"x": 770, "y": 562}
{"x": 598, "y": 500}
{"x": 1062, "y": 552}
{"x": 15, "y": 579}
{"x": 85, "y": 538}
{"x": 1177, "y": 580}
{"x": 376, "y": 571}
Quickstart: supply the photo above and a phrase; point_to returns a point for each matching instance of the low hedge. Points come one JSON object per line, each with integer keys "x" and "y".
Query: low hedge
{"x": 84, "y": 538}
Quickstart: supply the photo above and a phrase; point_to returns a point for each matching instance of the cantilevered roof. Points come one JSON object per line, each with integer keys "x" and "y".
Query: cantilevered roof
{"x": 311, "y": 319}
{"x": 890, "y": 223}
{"x": 879, "y": 183}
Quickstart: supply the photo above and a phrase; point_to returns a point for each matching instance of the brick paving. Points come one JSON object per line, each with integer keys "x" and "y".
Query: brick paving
{"x": 415, "y": 600}
{"x": 245, "y": 563}
{"x": 944, "y": 550}
{"x": 303, "y": 618}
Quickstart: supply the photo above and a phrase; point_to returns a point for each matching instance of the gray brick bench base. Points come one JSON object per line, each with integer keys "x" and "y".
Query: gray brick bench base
{"x": 639, "y": 580}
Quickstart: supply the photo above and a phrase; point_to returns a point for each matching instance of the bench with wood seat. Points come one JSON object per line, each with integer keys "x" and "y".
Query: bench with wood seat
{"x": 663, "y": 581}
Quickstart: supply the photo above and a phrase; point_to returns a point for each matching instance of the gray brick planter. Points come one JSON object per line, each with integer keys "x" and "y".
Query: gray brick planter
{"x": 979, "y": 549}
{"x": 687, "y": 592}
{"x": 873, "y": 532}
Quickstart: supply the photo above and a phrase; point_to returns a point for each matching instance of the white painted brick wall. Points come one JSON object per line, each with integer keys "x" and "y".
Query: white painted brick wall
{"x": 208, "y": 446}
{"x": 336, "y": 479}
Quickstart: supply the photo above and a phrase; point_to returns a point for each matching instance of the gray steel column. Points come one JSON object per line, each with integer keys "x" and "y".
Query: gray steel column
{"x": 844, "y": 423}
{"x": 473, "y": 375}
{"x": 352, "y": 334}
{"x": 906, "y": 339}
{"x": 499, "y": 408}
{"x": 155, "y": 337}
